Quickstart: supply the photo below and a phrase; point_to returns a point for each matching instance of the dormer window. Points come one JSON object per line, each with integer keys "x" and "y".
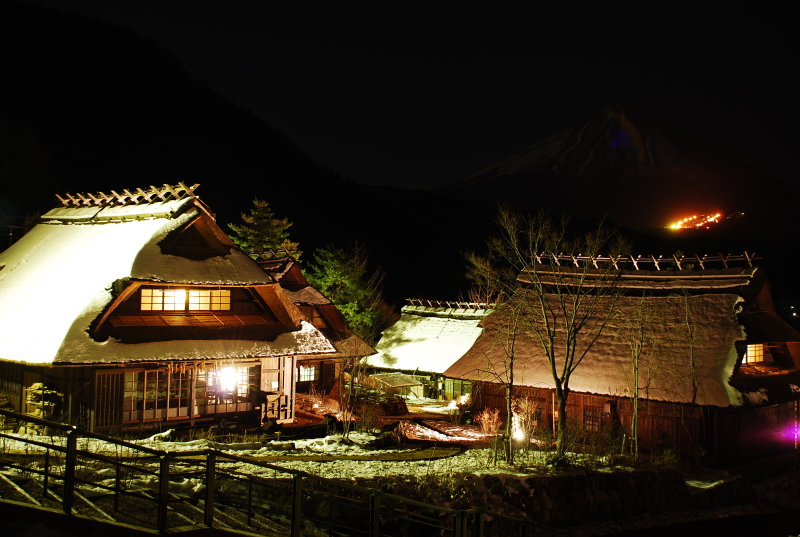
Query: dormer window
{"x": 756, "y": 354}
{"x": 185, "y": 299}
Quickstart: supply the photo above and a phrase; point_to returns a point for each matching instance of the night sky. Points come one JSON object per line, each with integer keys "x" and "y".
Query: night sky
{"x": 414, "y": 95}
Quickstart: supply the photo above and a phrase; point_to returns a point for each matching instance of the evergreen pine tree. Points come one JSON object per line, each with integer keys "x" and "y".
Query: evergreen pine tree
{"x": 342, "y": 277}
{"x": 261, "y": 231}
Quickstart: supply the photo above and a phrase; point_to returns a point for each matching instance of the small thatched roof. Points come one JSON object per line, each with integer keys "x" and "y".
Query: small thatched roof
{"x": 706, "y": 344}
{"x": 428, "y": 339}
{"x": 393, "y": 380}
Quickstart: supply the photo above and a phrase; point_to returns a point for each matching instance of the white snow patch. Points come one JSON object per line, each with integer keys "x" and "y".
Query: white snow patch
{"x": 757, "y": 398}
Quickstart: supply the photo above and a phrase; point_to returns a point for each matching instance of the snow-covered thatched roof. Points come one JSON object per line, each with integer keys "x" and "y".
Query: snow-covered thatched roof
{"x": 427, "y": 339}
{"x": 60, "y": 277}
{"x": 689, "y": 337}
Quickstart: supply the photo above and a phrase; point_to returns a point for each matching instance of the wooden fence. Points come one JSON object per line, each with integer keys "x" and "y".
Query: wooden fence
{"x": 127, "y": 483}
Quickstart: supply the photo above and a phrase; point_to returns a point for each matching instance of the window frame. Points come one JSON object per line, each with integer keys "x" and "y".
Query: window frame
{"x": 216, "y": 296}
{"x": 761, "y": 354}
{"x": 302, "y": 368}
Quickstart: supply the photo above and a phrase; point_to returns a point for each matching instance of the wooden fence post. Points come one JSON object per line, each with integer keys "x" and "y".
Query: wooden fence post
{"x": 297, "y": 500}
{"x": 163, "y": 493}
{"x": 374, "y": 515}
{"x": 211, "y": 475}
{"x": 69, "y": 470}
{"x": 46, "y": 485}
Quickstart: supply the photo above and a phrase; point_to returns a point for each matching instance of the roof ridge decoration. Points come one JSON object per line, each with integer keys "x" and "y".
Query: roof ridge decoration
{"x": 629, "y": 262}
{"x": 275, "y": 254}
{"x": 424, "y": 302}
{"x": 139, "y": 197}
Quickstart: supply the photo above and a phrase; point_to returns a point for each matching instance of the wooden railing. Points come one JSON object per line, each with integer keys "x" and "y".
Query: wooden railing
{"x": 140, "y": 486}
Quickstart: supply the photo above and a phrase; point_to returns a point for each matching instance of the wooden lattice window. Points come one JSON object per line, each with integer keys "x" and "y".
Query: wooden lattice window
{"x": 163, "y": 299}
{"x": 756, "y": 353}
{"x": 308, "y": 373}
{"x": 182, "y": 299}
{"x": 11, "y": 378}
{"x": 595, "y": 418}
{"x": 228, "y": 384}
{"x": 108, "y": 396}
{"x": 209, "y": 299}
{"x": 157, "y": 394}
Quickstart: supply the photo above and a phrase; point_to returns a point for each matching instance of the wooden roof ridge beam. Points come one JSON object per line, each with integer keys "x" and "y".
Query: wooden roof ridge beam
{"x": 169, "y": 189}
{"x": 428, "y": 303}
{"x": 101, "y": 199}
{"x": 133, "y": 198}
{"x": 157, "y": 192}
{"x": 92, "y": 199}
{"x": 189, "y": 191}
{"x": 84, "y": 201}
{"x": 145, "y": 195}
{"x": 122, "y": 199}
{"x": 66, "y": 202}
{"x": 701, "y": 262}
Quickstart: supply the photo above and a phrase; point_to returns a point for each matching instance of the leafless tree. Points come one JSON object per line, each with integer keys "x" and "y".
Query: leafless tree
{"x": 640, "y": 329}
{"x": 561, "y": 302}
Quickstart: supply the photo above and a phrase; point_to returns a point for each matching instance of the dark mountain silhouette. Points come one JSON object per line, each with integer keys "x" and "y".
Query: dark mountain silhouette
{"x": 638, "y": 168}
{"x": 94, "y": 107}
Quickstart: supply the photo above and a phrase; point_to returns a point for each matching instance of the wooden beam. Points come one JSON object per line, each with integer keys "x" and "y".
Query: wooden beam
{"x": 132, "y": 287}
{"x": 284, "y": 309}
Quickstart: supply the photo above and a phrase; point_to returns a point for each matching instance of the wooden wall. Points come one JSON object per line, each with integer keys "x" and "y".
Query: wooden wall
{"x": 727, "y": 436}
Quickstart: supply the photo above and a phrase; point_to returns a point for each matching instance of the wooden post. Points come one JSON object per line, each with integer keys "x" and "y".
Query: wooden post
{"x": 459, "y": 524}
{"x": 297, "y": 500}
{"x": 69, "y": 470}
{"x": 117, "y": 488}
{"x": 163, "y": 493}
{"x": 374, "y": 515}
{"x": 250, "y": 500}
{"x": 46, "y": 473}
{"x": 478, "y": 524}
{"x": 211, "y": 463}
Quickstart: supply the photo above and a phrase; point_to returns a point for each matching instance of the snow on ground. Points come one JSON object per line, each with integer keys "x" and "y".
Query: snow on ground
{"x": 474, "y": 461}
{"x": 357, "y": 443}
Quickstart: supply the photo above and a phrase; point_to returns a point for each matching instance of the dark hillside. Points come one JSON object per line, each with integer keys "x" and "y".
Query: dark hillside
{"x": 105, "y": 109}
{"x": 636, "y": 166}
{"x": 87, "y": 106}
{"x": 642, "y": 171}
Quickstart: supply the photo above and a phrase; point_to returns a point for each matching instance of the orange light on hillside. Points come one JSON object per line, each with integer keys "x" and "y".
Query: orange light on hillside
{"x": 697, "y": 221}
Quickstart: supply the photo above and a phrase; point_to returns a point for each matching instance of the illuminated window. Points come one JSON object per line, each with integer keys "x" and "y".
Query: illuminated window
{"x": 176, "y": 300}
{"x": 755, "y": 353}
{"x": 308, "y": 373}
{"x": 163, "y": 299}
{"x": 202, "y": 299}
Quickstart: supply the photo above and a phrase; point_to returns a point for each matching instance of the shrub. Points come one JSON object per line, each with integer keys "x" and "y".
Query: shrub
{"x": 489, "y": 420}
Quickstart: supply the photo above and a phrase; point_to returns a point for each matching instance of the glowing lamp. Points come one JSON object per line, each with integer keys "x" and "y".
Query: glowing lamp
{"x": 227, "y": 379}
